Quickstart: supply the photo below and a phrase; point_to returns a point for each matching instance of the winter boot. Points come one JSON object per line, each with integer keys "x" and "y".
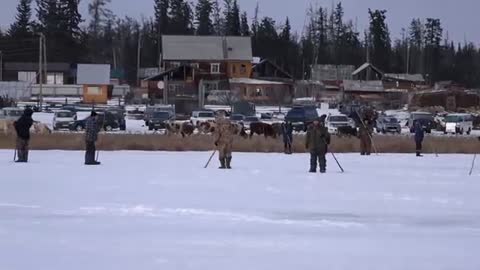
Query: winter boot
{"x": 323, "y": 170}
{"x": 229, "y": 161}
{"x": 222, "y": 164}
{"x": 419, "y": 154}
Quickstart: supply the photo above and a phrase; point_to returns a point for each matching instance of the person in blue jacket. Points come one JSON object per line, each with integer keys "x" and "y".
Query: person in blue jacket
{"x": 419, "y": 136}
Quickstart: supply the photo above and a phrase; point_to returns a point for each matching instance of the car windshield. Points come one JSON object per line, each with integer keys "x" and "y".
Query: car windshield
{"x": 427, "y": 116}
{"x": 338, "y": 119}
{"x": 206, "y": 114}
{"x": 237, "y": 117}
{"x": 453, "y": 119}
{"x": 161, "y": 115}
{"x": 65, "y": 114}
{"x": 296, "y": 113}
{"x": 391, "y": 120}
{"x": 252, "y": 119}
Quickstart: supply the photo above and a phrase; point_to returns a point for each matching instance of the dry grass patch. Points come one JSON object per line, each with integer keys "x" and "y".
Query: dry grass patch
{"x": 156, "y": 142}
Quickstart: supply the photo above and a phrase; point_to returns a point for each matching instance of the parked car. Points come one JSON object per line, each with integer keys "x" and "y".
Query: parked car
{"x": 301, "y": 117}
{"x": 425, "y": 118}
{"x": 237, "y": 118}
{"x": 458, "y": 123}
{"x": 159, "y": 120}
{"x": 149, "y": 111}
{"x": 107, "y": 119}
{"x": 11, "y": 113}
{"x": 333, "y": 122}
{"x": 63, "y": 119}
{"x": 250, "y": 119}
{"x": 199, "y": 117}
{"x": 119, "y": 114}
{"x": 388, "y": 124}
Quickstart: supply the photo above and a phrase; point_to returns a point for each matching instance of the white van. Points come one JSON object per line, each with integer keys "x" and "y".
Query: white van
{"x": 199, "y": 117}
{"x": 458, "y": 123}
{"x": 63, "y": 119}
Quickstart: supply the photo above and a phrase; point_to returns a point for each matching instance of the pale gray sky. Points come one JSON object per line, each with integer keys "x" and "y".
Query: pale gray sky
{"x": 459, "y": 17}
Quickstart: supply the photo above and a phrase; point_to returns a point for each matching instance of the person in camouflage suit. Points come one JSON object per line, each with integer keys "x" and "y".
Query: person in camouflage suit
{"x": 224, "y": 133}
{"x": 317, "y": 141}
{"x": 365, "y": 134}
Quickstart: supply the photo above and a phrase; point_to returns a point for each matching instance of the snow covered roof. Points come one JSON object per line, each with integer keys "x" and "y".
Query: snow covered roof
{"x": 405, "y": 77}
{"x": 253, "y": 81}
{"x": 206, "y": 48}
{"x": 364, "y": 67}
{"x": 363, "y": 86}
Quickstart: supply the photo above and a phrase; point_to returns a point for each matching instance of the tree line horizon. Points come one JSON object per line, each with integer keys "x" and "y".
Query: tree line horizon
{"x": 327, "y": 38}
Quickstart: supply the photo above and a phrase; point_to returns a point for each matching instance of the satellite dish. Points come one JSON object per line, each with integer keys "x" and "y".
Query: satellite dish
{"x": 161, "y": 85}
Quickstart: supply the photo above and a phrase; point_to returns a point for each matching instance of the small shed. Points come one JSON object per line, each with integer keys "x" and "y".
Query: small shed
{"x": 96, "y": 83}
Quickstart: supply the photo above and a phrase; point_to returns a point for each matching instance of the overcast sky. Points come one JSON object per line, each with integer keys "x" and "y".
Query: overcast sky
{"x": 459, "y": 17}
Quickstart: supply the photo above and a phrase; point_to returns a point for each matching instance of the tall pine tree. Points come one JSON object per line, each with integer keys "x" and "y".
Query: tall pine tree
{"x": 203, "y": 16}
{"x": 161, "y": 15}
{"x": 380, "y": 39}
{"x": 23, "y": 26}
{"x": 181, "y": 18}
{"x": 244, "y": 27}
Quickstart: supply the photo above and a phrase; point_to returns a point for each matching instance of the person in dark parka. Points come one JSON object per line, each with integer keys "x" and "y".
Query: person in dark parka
{"x": 91, "y": 135}
{"x": 287, "y": 132}
{"x": 419, "y": 136}
{"x": 22, "y": 127}
{"x": 317, "y": 141}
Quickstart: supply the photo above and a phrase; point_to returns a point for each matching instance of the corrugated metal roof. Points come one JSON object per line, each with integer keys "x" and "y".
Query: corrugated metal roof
{"x": 207, "y": 48}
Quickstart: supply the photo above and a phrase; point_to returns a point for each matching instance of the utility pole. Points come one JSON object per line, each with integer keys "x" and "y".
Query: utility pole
{"x": 1, "y": 66}
{"x": 139, "y": 50}
{"x": 40, "y": 70}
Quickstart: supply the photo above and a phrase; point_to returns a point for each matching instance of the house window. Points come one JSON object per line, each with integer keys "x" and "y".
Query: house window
{"x": 175, "y": 64}
{"x": 195, "y": 65}
{"x": 258, "y": 92}
{"x": 94, "y": 91}
{"x": 54, "y": 78}
{"x": 215, "y": 68}
{"x": 27, "y": 76}
{"x": 234, "y": 69}
{"x": 243, "y": 69}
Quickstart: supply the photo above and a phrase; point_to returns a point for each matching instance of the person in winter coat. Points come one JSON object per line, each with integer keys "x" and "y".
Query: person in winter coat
{"x": 224, "y": 133}
{"x": 317, "y": 141}
{"x": 287, "y": 132}
{"x": 22, "y": 127}
{"x": 91, "y": 135}
{"x": 365, "y": 134}
{"x": 419, "y": 136}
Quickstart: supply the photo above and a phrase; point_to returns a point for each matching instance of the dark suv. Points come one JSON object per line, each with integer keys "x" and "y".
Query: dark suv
{"x": 158, "y": 120}
{"x": 109, "y": 121}
{"x": 301, "y": 117}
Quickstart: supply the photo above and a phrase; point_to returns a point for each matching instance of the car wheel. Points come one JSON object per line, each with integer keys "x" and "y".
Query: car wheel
{"x": 108, "y": 128}
{"x": 383, "y": 131}
{"x": 469, "y": 131}
{"x": 79, "y": 128}
{"x": 150, "y": 128}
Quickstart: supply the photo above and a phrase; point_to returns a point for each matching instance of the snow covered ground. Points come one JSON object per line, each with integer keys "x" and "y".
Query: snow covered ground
{"x": 159, "y": 210}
